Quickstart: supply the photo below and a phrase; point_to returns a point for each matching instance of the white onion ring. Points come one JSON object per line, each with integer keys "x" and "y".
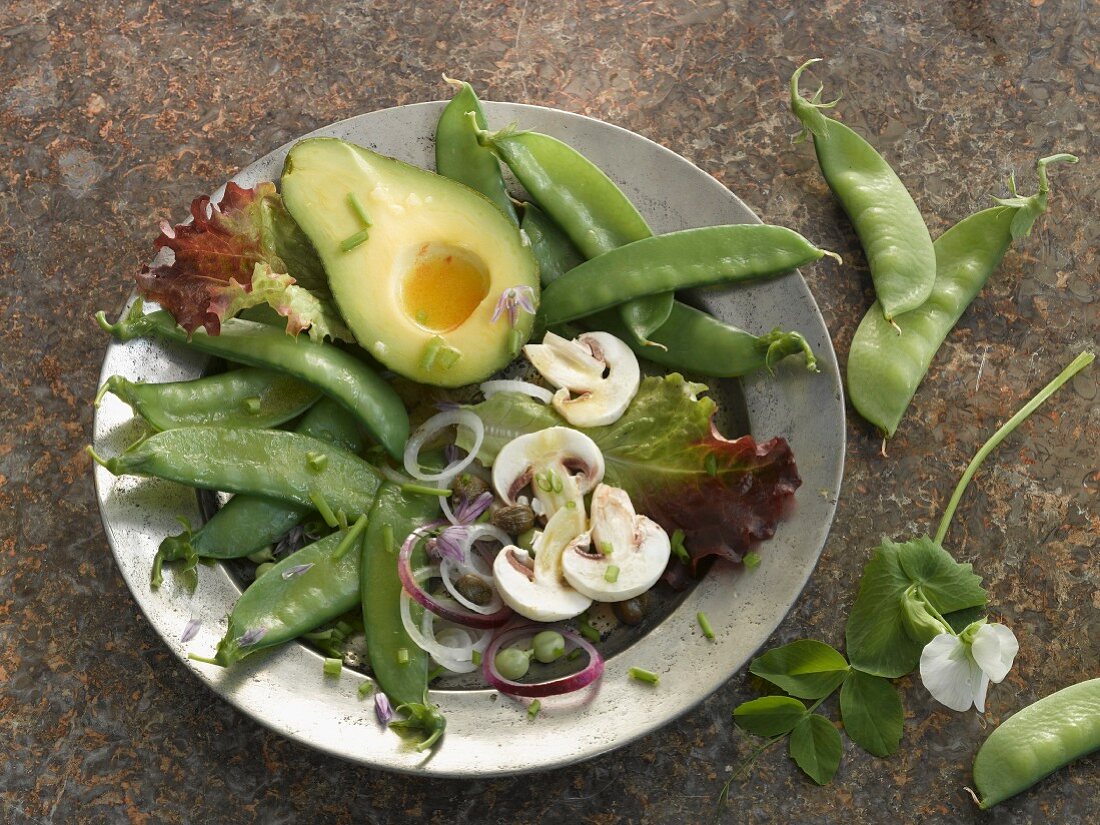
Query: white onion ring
{"x": 458, "y": 659}
{"x": 553, "y": 687}
{"x": 435, "y": 425}
{"x": 491, "y": 388}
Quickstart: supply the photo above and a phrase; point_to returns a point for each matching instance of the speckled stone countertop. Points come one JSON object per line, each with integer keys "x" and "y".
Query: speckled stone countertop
{"x": 114, "y": 115}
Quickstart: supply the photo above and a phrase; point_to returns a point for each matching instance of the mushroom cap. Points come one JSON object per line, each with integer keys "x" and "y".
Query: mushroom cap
{"x": 561, "y": 465}
{"x": 597, "y": 376}
{"x": 539, "y": 591}
{"x": 639, "y": 548}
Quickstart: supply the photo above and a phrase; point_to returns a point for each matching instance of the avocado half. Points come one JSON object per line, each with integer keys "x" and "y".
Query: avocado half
{"x": 416, "y": 262}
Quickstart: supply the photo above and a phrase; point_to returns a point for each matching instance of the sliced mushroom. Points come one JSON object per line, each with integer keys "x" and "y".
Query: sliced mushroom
{"x": 597, "y": 376}
{"x": 560, "y": 464}
{"x": 536, "y": 589}
{"x": 621, "y": 556}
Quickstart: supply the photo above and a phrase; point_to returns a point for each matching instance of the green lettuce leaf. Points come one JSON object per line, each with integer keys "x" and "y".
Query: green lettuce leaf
{"x": 244, "y": 251}
{"x": 665, "y": 452}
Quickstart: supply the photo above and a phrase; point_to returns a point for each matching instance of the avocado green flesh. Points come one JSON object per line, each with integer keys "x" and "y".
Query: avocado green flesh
{"x": 419, "y": 292}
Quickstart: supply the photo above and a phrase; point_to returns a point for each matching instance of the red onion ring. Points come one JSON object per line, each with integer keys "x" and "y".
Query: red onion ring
{"x": 553, "y": 687}
{"x": 410, "y": 583}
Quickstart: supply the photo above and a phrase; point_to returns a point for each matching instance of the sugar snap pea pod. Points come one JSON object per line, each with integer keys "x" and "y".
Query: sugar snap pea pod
{"x": 246, "y": 397}
{"x": 553, "y": 250}
{"x": 584, "y": 202}
{"x": 342, "y": 376}
{"x": 299, "y": 594}
{"x": 246, "y": 523}
{"x": 678, "y": 260}
{"x": 1037, "y": 741}
{"x": 270, "y": 463}
{"x": 399, "y": 666}
{"x": 884, "y": 368}
{"x": 888, "y": 223}
{"x": 460, "y": 157}
{"x": 694, "y": 341}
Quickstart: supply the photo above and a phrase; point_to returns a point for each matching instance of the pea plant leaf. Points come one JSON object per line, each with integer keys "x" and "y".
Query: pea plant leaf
{"x": 769, "y": 715}
{"x": 877, "y": 641}
{"x": 244, "y": 251}
{"x": 872, "y": 713}
{"x": 805, "y": 668}
{"x": 678, "y": 469}
{"x": 816, "y": 748}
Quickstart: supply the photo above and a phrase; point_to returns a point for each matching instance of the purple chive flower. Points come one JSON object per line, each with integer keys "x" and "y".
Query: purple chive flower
{"x": 190, "y": 630}
{"x": 448, "y": 544}
{"x": 468, "y": 511}
{"x": 382, "y": 708}
{"x": 251, "y": 637}
{"x": 451, "y": 453}
{"x": 447, "y": 406}
{"x": 512, "y": 300}
{"x": 296, "y": 570}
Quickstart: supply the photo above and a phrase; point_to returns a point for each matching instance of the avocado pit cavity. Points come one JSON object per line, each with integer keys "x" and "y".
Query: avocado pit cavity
{"x": 442, "y": 286}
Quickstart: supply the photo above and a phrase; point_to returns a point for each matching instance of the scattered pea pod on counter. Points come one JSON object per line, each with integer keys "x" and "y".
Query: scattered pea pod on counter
{"x": 677, "y": 260}
{"x": 884, "y": 368}
{"x": 1037, "y": 741}
{"x": 398, "y": 664}
{"x": 270, "y": 463}
{"x": 460, "y": 157}
{"x": 585, "y": 203}
{"x": 247, "y": 524}
{"x": 887, "y": 221}
{"x": 300, "y": 593}
{"x": 341, "y": 376}
{"x": 246, "y": 397}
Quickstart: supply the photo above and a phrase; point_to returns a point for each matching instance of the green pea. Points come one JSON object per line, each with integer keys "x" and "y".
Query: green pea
{"x": 460, "y": 157}
{"x": 1037, "y": 741}
{"x": 887, "y": 221}
{"x": 342, "y": 376}
{"x": 245, "y": 397}
{"x": 262, "y": 569}
{"x": 884, "y": 368}
{"x": 548, "y": 646}
{"x": 513, "y": 663}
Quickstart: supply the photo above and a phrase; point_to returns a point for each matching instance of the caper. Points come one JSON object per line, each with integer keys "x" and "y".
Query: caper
{"x": 514, "y": 519}
{"x": 474, "y": 589}
{"x": 468, "y": 486}
{"x": 630, "y": 612}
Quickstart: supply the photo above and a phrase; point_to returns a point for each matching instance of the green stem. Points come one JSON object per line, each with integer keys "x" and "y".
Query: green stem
{"x": 1078, "y": 364}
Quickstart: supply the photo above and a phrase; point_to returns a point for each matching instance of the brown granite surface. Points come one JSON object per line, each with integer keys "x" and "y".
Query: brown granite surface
{"x": 113, "y": 115}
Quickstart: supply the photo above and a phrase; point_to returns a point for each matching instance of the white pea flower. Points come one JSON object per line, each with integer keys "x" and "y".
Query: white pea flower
{"x": 957, "y": 670}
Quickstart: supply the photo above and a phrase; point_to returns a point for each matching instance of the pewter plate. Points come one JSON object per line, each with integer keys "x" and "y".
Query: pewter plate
{"x": 489, "y": 734}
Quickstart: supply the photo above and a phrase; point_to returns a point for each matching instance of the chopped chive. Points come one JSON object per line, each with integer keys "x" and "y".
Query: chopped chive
{"x": 358, "y": 208}
{"x": 343, "y": 628}
{"x": 332, "y": 667}
{"x": 323, "y": 509}
{"x": 574, "y": 654}
{"x": 349, "y": 540}
{"x": 387, "y": 538}
{"x": 316, "y": 461}
{"x": 320, "y": 635}
{"x": 643, "y": 675}
{"x": 704, "y": 623}
{"x": 252, "y": 404}
{"x": 448, "y": 357}
{"x": 421, "y": 316}
{"x": 514, "y": 339}
{"x": 611, "y": 575}
{"x": 678, "y": 547}
{"x": 751, "y": 560}
{"x": 475, "y": 657}
{"x": 606, "y": 548}
{"x": 436, "y": 673}
{"x": 424, "y": 490}
{"x": 431, "y": 352}
{"x": 586, "y": 629}
{"x": 342, "y": 519}
{"x": 571, "y": 505}
{"x": 366, "y": 688}
{"x": 206, "y": 660}
{"x": 556, "y": 484}
{"x": 710, "y": 464}
{"x": 359, "y": 237}
{"x": 544, "y": 481}
{"x": 402, "y": 655}
{"x": 533, "y": 709}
